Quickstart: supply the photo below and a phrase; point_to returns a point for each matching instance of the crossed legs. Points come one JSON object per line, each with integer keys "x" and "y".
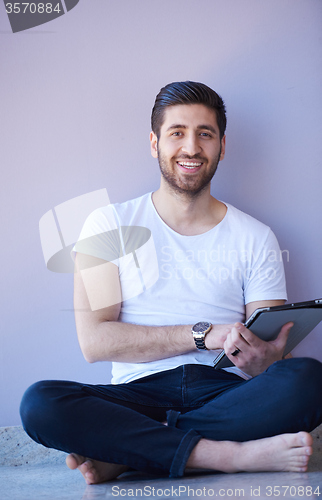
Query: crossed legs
{"x": 116, "y": 434}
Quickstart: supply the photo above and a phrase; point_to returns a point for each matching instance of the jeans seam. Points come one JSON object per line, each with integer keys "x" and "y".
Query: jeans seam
{"x": 183, "y": 385}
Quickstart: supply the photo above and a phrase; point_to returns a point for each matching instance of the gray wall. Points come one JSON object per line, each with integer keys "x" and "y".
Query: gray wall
{"x": 75, "y": 104}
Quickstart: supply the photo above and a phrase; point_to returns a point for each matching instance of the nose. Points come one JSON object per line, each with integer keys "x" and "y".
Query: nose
{"x": 191, "y": 145}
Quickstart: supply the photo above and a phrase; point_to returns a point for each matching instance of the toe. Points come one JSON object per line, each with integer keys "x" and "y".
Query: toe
{"x": 73, "y": 460}
{"x": 305, "y": 438}
{"x": 299, "y": 440}
{"x": 85, "y": 467}
{"x": 90, "y": 477}
{"x": 301, "y": 451}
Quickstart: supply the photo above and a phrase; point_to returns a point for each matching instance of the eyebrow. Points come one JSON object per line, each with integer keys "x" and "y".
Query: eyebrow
{"x": 200, "y": 127}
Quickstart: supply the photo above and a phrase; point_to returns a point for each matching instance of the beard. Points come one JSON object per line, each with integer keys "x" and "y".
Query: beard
{"x": 189, "y": 185}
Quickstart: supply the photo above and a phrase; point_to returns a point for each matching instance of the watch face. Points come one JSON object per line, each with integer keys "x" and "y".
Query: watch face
{"x": 200, "y": 327}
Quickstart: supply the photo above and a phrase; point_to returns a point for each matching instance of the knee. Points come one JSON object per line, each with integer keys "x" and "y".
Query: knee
{"x": 307, "y": 390}
{"x": 307, "y": 368}
{"x": 303, "y": 375}
{"x": 311, "y": 371}
{"x": 35, "y": 406}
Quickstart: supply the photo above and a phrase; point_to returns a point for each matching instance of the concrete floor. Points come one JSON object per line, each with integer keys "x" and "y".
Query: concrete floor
{"x": 58, "y": 482}
{"x": 32, "y": 472}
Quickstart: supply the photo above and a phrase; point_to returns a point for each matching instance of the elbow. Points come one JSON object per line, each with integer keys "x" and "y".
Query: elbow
{"x": 89, "y": 358}
{"x": 95, "y": 345}
{"x": 90, "y": 354}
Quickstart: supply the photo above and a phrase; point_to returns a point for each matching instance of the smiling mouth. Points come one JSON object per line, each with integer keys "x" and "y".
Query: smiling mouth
{"x": 189, "y": 165}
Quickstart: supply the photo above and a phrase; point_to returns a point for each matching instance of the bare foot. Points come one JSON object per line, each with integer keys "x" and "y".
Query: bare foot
{"x": 286, "y": 452}
{"x": 94, "y": 471}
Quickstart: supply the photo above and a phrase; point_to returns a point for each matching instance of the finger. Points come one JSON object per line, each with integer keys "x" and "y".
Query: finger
{"x": 243, "y": 333}
{"x": 231, "y": 352}
{"x": 229, "y": 345}
{"x": 235, "y": 352}
{"x": 234, "y": 342}
{"x": 282, "y": 337}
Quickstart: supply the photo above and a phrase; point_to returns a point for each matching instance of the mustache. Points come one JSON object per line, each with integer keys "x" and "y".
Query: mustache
{"x": 191, "y": 158}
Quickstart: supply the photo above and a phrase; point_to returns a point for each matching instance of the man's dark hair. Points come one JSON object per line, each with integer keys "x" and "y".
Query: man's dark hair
{"x": 187, "y": 93}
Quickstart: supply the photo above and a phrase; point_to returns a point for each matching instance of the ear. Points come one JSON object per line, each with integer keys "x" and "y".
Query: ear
{"x": 154, "y": 144}
{"x": 223, "y": 148}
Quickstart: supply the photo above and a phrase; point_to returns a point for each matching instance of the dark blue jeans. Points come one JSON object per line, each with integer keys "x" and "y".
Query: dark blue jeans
{"x": 123, "y": 423}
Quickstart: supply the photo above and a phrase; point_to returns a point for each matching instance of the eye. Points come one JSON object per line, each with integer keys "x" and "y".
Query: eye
{"x": 205, "y": 134}
{"x": 177, "y": 134}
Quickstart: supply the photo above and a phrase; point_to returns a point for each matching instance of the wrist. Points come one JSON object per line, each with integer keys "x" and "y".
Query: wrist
{"x": 217, "y": 336}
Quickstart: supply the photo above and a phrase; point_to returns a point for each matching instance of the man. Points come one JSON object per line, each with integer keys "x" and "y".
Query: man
{"x": 168, "y": 409}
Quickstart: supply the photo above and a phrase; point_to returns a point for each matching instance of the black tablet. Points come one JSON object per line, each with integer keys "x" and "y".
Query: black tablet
{"x": 267, "y": 322}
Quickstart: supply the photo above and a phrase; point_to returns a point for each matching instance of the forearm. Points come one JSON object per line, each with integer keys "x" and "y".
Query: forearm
{"x": 117, "y": 341}
{"x": 103, "y": 337}
{"x": 124, "y": 342}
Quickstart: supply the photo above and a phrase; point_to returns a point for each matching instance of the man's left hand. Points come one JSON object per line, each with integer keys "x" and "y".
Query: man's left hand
{"x": 255, "y": 355}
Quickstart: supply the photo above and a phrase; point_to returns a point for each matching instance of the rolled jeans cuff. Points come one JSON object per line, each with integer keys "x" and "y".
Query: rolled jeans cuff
{"x": 187, "y": 444}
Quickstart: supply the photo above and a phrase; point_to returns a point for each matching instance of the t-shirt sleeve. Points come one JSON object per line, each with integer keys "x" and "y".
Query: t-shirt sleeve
{"x": 266, "y": 278}
{"x": 100, "y": 236}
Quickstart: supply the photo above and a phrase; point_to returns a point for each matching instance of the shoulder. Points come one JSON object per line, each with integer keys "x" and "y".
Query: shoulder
{"x": 101, "y": 228}
{"x": 110, "y": 214}
{"x": 137, "y": 204}
{"x": 250, "y": 231}
{"x": 245, "y": 222}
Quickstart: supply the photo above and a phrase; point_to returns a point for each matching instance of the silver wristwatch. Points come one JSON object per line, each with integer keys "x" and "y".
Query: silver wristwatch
{"x": 199, "y": 332}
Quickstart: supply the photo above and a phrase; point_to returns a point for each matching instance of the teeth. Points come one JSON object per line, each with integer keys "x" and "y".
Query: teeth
{"x": 189, "y": 164}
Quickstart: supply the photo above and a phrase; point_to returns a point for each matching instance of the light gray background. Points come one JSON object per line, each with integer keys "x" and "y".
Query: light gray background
{"x": 75, "y": 102}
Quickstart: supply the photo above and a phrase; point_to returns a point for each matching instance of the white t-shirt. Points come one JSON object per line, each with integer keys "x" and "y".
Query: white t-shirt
{"x": 171, "y": 279}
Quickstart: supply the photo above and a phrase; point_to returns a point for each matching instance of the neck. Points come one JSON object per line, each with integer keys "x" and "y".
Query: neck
{"x": 188, "y": 215}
